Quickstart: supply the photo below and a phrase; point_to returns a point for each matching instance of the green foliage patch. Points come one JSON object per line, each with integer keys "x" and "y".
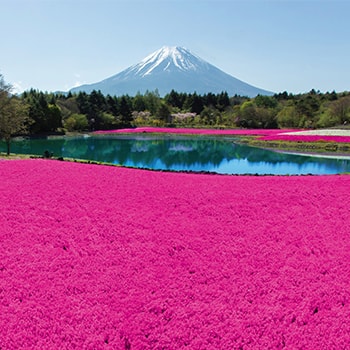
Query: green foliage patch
{"x": 36, "y": 112}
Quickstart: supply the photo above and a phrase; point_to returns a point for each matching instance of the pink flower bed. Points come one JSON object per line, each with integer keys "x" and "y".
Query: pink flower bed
{"x": 264, "y": 134}
{"x": 97, "y": 257}
{"x": 197, "y": 131}
{"x": 305, "y": 138}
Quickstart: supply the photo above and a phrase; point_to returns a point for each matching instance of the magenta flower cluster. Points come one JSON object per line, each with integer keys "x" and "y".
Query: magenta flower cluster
{"x": 263, "y": 134}
{"x": 100, "y": 257}
{"x": 198, "y": 131}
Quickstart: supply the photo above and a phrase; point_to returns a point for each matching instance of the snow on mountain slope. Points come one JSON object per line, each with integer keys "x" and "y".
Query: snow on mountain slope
{"x": 172, "y": 68}
{"x": 167, "y": 58}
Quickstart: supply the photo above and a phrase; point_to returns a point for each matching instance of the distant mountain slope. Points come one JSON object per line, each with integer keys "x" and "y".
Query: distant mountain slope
{"x": 172, "y": 68}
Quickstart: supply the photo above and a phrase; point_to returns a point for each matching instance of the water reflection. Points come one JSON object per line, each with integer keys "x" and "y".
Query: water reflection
{"x": 220, "y": 155}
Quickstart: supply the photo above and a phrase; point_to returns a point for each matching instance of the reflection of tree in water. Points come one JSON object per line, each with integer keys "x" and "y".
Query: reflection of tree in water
{"x": 37, "y": 146}
{"x": 140, "y": 146}
{"x": 194, "y": 152}
{"x": 145, "y": 152}
{"x": 258, "y": 155}
{"x": 75, "y": 148}
{"x": 171, "y": 152}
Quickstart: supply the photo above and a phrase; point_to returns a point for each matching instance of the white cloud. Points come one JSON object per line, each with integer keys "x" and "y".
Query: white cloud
{"x": 18, "y": 87}
{"x": 77, "y": 82}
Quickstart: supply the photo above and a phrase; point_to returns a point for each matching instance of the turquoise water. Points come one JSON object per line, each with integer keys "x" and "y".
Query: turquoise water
{"x": 181, "y": 153}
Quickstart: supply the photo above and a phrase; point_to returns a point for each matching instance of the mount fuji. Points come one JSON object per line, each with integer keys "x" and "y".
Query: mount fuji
{"x": 172, "y": 68}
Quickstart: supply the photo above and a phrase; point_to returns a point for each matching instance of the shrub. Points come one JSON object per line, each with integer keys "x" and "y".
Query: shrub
{"x": 76, "y": 122}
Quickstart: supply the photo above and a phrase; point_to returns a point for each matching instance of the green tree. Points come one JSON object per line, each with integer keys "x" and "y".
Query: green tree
{"x": 327, "y": 119}
{"x": 209, "y": 115}
{"x": 108, "y": 121}
{"x": 210, "y": 100}
{"x": 54, "y": 117}
{"x": 112, "y": 105}
{"x": 265, "y": 101}
{"x": 223, "y": 101}
{"x": 138, "y": 103}
{"x": 252, "y": 116}
{"x": 76, "y": 122}
{"x": 246, "y": 115}
{"x": 68, "y": 106}
{"x": 125, "y": 111}
{"x": 341, "y": 109}
{"x": 288, "y": 117}
{"x": 97, "y": 105}
{"x": 152, "y": 101}
{"x": 37, "y": 111}
{"x": 13, "y": 114}
{"x": 174, "y": 99}
{"x": 83, "y": 102}
{"x": 194, "y": 103}
{"x": 308, "y": 108}
{"x": 46, "y": 117}
{"x": 164, "y": 113}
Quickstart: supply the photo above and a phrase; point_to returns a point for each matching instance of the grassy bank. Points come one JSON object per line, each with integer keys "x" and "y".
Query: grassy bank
{"x": 319, "y": 147}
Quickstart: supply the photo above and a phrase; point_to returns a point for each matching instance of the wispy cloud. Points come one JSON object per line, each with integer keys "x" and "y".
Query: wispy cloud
{"x": 18, "y": 87}
{"x": 77, "y": 82}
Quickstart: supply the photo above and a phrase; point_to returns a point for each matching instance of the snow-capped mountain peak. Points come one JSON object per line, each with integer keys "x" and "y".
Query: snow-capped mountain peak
{"x": 172, "y": 68}
{"x": 166, "y": 59}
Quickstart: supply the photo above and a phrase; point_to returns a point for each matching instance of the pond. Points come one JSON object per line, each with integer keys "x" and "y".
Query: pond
{"x": 221, "y": 155}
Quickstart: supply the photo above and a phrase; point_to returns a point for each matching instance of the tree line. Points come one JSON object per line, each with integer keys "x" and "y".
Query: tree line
{"x": 95, "y": 111}
{"x": 38, "y": 112}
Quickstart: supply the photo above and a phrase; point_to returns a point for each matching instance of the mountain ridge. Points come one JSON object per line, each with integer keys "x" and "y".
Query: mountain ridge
{"x": 172, "y": 68}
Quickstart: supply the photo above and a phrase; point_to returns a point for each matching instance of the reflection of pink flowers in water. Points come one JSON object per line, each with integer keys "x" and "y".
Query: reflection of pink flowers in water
{"x": 103, "y": 257}
{"x": 180, "y": 148}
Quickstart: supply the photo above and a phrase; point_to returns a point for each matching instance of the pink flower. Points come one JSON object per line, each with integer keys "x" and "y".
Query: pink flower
{"x": 197, "y": 131}
{"x": 97, "y": 257}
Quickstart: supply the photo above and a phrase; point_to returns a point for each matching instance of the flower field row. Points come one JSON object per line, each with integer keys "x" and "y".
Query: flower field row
{"x": 98, "y": 257}
{"x": 264, "y": 134}
{"x": 197, "y": 131}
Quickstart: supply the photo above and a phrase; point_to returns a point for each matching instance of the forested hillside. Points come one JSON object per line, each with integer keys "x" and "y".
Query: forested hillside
{"x": 52, "y": 113}
{"x": 86, "y": 112}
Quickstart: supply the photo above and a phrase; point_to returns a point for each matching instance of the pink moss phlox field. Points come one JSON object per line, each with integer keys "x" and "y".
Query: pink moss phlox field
{"x": 98, "y": 257}
{"x": 197, "y": 131}
{"x": 263, "y": 134}
{"x": 305, "y": 138}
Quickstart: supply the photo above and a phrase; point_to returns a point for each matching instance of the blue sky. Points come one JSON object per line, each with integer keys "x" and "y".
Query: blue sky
{"x": 277, "y": 45}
